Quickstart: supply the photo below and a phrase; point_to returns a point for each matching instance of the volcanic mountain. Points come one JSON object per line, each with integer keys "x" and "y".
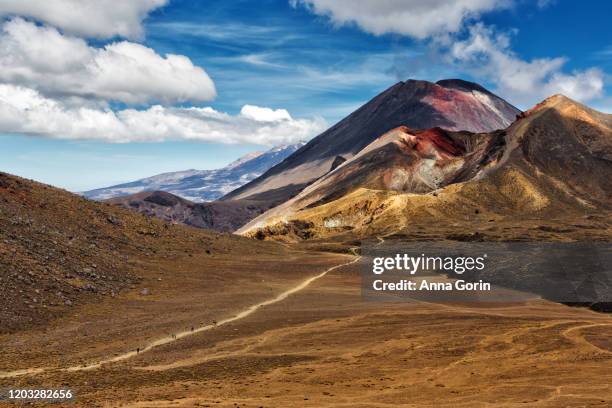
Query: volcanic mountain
{"x": 451, "y": 104}
{"x": 554, "y": 161}
{"x": 202, "y": 185}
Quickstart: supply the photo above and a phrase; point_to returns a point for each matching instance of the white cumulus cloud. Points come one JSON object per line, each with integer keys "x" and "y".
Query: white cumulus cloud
{"x": 24, "y": 110}
{"x": 64, "y": 66}
{"x": 487, "y": 53}
{"x": 264, "y": 114}
{"x": 86, "y": 18}
{"x": 415, "y": 18}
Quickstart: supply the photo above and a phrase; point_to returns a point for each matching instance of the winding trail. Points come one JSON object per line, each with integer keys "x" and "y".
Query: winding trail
{"x": 166, "y": 340}
{"x": 578, "y": 339}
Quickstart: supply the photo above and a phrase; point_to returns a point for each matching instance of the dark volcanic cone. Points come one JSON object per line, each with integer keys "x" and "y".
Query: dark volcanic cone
{"x": 449, "y": 104}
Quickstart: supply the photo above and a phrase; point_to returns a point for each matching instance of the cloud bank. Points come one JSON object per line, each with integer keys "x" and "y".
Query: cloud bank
{"x": 415, "y": 18}
{"x": 487, "y": 53}
{"x": 459, "y": 41}
{"x": 87, "y": 18}
{"x": 63, "y": 66}
{"x": 53, "y": 83}
{"x": 24, "y": 110}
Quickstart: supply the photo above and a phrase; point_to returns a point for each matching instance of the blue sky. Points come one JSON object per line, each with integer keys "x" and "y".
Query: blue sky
{"x": 305, "y": 64}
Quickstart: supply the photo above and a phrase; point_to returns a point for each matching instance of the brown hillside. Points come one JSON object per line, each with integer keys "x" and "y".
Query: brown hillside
{"x": 58, "y": 250}
{"x": 225, "y": 216}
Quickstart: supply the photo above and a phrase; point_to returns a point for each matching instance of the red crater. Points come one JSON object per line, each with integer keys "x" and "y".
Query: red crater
{"x": 441, "y": 140}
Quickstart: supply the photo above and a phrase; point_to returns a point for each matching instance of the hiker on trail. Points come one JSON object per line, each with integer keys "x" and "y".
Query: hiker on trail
{"x": 137, "y": 350}
{"x": 191, "y": 328}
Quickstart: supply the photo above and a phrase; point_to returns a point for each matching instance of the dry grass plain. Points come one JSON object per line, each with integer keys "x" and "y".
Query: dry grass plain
{"x": 320, "y": 347}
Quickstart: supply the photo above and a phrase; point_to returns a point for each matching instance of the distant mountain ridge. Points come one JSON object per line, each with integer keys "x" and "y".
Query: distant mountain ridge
{"x": 202, "y": 185}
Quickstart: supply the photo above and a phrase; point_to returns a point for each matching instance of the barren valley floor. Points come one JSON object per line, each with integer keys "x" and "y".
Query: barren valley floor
{"x": 320, "y": 346}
